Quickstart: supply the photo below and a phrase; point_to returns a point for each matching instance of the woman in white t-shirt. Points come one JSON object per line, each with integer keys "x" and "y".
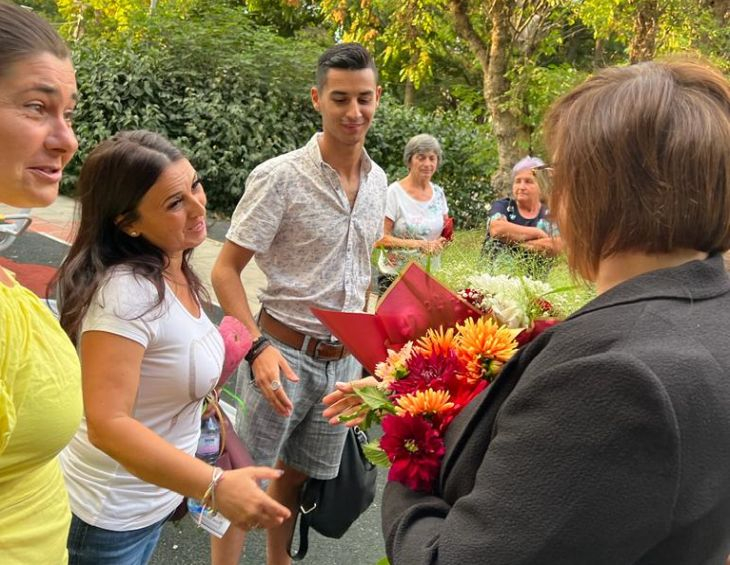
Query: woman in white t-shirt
{"x": 149, "y": 355}
{"x": 415, "y": 213}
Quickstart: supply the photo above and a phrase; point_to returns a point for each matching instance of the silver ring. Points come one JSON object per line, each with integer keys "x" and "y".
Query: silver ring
{"x": 275, "y": 385}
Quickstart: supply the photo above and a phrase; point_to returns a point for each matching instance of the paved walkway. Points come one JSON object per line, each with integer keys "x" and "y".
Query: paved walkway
{"x": 58, "y": 222}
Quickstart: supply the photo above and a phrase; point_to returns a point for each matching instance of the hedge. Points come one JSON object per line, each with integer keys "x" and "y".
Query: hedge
{"x": 232, "y": 110}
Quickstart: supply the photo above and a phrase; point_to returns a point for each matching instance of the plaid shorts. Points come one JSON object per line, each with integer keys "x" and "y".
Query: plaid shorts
{"x": 305, "y": 441}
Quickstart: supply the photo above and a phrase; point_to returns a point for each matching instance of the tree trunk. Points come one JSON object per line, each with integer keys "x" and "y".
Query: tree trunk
{"x": 598, "y": 54}
{"x": 646, "y": 21}
{"x": 494, "y": 57}
{"x": 409, "y": 97}
{"x": 509, "y": 131}
{"x": 721, "y": 9}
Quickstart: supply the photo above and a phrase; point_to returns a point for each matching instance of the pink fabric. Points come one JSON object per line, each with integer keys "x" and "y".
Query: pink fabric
{"x": 237, "y": 342}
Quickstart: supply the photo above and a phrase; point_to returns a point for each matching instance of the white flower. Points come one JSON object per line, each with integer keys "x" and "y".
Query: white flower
{"x": 511, "y": 314}
{"x": 511, "y": 299}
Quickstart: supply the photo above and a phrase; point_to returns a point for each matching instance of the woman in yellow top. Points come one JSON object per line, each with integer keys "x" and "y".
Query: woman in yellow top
{"x": 40, "y": 390}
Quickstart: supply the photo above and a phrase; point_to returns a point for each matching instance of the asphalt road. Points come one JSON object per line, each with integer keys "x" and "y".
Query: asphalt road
{"x": 182, "y": 543}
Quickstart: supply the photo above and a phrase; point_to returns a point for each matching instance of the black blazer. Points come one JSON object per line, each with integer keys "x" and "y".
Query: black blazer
{"x": 604, "y": 441}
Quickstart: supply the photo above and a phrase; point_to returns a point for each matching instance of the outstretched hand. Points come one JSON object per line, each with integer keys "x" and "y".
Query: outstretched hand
{"x": 240, "y": 499}
{"x": 344, "y": 402}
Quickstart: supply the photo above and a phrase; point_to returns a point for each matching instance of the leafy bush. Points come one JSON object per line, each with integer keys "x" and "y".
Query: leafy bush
{"x": 224, "y": 120}
{"x": 232, "y": 94}
{"x": 225, "y": 108}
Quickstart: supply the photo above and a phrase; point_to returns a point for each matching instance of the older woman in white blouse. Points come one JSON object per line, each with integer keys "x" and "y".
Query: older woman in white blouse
{"x": 415, "y": 212}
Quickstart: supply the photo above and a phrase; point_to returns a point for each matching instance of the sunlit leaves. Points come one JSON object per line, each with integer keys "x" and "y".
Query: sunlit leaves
{"x": 681, "y": 24}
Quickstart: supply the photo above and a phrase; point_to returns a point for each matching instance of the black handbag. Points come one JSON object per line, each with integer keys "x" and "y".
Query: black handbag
{"x": 332, "y": 506}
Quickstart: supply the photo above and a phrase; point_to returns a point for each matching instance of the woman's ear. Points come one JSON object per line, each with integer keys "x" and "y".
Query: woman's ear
{"x": 127, "y": 228}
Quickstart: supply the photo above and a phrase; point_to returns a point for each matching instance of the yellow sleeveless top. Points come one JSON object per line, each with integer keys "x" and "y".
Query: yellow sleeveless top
{"x": 40, "y": 409}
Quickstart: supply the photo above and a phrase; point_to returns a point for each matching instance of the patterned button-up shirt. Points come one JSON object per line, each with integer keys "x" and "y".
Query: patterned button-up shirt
{"x": 312, "y": 246}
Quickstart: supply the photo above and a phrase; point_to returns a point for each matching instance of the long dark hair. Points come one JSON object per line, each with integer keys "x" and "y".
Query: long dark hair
{"x": 115, "y": 176}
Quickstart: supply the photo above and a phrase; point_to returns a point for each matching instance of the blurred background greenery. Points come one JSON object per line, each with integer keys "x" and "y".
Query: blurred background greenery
{"x": 229, "y": 80}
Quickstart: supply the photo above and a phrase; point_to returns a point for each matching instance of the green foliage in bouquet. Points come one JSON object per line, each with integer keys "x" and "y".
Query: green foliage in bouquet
{"x": 374, "y": 401}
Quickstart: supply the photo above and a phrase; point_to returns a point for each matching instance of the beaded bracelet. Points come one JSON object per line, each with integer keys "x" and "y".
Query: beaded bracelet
{"x": 208, "y": 500}
{"x": 261, "y": 343}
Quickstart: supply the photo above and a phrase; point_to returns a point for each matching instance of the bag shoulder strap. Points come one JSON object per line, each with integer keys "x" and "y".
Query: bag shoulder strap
{"x": 301, "y": 551}
{"x": 308, "y": 500}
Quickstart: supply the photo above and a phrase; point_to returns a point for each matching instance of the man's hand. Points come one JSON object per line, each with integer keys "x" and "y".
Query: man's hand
{"x": 267, "y": 369}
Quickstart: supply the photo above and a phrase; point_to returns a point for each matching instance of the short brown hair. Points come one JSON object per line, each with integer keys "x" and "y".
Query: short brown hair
{"x": 641, "y": 162}
{"x": 23, "y": 34}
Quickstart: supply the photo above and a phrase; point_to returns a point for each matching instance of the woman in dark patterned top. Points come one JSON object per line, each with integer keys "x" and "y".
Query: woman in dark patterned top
{"x": 522, "y": 220}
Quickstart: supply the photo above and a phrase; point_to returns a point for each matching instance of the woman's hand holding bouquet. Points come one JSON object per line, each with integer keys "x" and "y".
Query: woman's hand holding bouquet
{"x": 421, "y": 387}
{"x": 418, "y": 392}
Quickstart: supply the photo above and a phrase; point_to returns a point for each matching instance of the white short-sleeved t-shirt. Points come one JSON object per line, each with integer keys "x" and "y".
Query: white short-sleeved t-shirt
{"x": 412, "y": 219}
{"x": 182, "y": 362}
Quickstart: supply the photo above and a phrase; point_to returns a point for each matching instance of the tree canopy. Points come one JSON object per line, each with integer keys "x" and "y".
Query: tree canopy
{"x": 502, "y": 61}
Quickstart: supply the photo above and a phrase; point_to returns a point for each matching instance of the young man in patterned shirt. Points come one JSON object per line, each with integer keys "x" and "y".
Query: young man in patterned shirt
{"x": 310, "y": 218}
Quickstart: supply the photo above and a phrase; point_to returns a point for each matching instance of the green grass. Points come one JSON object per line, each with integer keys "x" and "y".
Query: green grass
{"x": 463, "y": 259}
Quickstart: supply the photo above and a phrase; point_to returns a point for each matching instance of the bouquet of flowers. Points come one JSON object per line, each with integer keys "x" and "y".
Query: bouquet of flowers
{"x": 433, "y": 351}
{"x": 423, "y": 386}
{"x": 517, "y": 302}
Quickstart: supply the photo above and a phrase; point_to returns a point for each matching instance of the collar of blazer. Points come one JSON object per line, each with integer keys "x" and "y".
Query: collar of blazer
{"x": 695, "y": 280}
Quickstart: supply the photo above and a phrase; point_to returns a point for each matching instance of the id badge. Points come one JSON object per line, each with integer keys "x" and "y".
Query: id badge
{"x": 211, "y": 521}
{"x": 214, "y": 523}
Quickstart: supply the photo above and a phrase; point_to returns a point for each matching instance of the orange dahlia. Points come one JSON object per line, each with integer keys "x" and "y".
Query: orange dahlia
{"x": 426, "y": 402}
{"x": 436, "y": 342}
{"x": 484, "y": 347}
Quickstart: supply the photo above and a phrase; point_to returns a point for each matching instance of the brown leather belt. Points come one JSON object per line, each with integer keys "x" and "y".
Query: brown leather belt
{"x": 318, "y": 348}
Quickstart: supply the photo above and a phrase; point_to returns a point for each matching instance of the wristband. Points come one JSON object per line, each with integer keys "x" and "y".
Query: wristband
{"x": 259, "y": 344}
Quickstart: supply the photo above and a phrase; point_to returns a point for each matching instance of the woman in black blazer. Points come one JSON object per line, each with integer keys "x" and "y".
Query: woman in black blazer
{"x": 607, "y": 439}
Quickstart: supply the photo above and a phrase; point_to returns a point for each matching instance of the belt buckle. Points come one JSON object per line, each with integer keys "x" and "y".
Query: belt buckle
{"x": 318, "y": 355}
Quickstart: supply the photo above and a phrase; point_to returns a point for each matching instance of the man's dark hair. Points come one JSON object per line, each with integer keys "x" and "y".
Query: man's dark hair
{"x": 347, "y": 56}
